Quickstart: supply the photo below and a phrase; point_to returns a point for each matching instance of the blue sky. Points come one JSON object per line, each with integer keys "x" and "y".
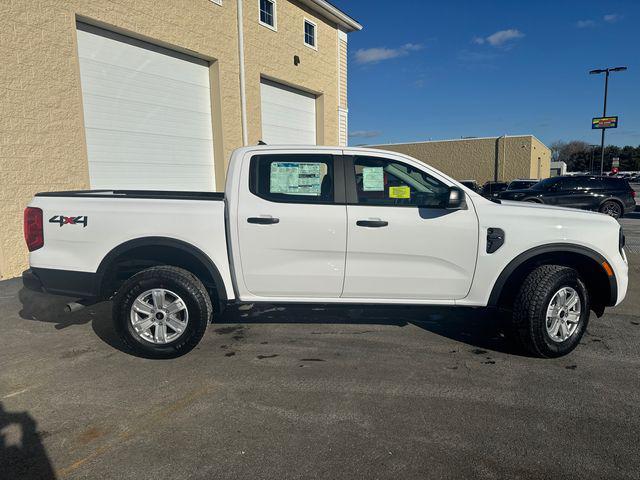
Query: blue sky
{"x": 422, "y": 70}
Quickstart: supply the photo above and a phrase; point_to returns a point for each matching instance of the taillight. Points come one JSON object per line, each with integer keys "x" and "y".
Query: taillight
{"x": 33, "y": 233}
{"x": 633, "y": 193}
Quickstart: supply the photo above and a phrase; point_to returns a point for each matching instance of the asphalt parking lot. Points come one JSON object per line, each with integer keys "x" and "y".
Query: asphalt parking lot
{"x": 317, "y": 393}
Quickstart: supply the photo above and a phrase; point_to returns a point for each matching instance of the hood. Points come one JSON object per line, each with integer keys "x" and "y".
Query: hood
{"x": 550, "y": 208}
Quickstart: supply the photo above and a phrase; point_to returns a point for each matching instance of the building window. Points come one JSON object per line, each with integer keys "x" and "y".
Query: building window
{"x": 309, "y": 33}
{"x": 268, "y": 13}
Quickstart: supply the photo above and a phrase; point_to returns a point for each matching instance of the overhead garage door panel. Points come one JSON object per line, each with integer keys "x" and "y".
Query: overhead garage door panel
{"x": 147, "y": 114}
{"x": 288, "y": 115}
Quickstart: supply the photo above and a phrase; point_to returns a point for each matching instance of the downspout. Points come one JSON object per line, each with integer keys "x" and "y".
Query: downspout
{"x": 243, "y": 95}
{"x": 504, "y": 154}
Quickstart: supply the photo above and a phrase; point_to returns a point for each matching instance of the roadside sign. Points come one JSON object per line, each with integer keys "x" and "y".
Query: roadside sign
{"x": 615, "y": 162}
{"x": 604, "y": 122}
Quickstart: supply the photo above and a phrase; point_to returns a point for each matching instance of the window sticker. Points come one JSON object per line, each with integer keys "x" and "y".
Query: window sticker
{"x": 400, "y": 192}
{"x": 373, "y": 179}
{"x": 295, "y": 178}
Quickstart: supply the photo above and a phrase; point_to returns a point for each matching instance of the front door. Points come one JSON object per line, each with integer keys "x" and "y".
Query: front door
{"x": 402, "y": 243}
{"x": 292, "y": 225}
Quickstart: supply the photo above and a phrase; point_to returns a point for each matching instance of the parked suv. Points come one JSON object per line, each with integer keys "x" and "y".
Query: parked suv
{"x": 609, "y": 195}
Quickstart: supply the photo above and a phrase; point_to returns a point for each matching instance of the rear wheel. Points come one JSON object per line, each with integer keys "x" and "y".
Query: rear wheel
{"x": 611, "y": 208}
{"x": 162, "y": 312}
{"x": 551, "y": 311}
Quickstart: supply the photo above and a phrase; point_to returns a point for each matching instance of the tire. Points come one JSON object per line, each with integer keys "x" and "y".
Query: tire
{"x": 611, "y": 208}
{"x": 170, "y": 334}
{"x": 540, "y": 293}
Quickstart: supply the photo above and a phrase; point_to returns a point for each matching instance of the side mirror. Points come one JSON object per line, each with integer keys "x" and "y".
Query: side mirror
{"x": 455, "y": 201}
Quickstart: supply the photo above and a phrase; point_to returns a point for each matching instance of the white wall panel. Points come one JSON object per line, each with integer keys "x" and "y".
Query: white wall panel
{"x": 147, "y": 114}
{"x": 288, "y": 115}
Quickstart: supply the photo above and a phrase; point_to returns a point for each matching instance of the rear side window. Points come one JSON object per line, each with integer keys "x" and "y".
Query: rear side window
{"x": 388, "y": 183}
{"x": 614, "y": 184}
{"x": 293, "y": 178}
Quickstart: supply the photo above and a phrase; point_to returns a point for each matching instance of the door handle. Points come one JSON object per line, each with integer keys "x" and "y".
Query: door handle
{"x": 263, "y": 220}
{"x": 372, "y": 223}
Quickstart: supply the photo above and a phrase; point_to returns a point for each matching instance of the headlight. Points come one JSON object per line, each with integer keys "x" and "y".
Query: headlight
{"x": 621, "y": 240}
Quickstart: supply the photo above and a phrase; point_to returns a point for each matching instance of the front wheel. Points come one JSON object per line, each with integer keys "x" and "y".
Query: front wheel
{"x": 551, "y": 311}
{"x": 611, "y": 208}
{"x": 162, "y": 312}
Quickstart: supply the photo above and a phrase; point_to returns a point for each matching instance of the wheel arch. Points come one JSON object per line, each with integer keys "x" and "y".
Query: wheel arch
{"x": 602, "y": 287}
{"x": 135, "y": 255}
{"x": 612, "y": 199}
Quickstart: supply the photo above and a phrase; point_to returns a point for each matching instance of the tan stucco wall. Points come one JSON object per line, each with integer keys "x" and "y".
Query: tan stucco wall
{"x": 540, "y": 159}
{"x": 270, "y": 53}
{"x": 475, "y": 159}
{"x": 42, "y": 144}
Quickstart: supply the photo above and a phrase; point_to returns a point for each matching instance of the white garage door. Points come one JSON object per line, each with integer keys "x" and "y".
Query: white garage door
{"x": 288, "y": 115}
{"x": 147, "y": 114}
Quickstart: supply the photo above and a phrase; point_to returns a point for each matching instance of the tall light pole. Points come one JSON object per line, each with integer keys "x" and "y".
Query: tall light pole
{"x": 606, "y": 71}
{"x": 593, "y": 155}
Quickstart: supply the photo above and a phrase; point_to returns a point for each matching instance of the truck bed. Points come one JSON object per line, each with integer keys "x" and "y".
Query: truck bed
{"x": 156, "y": 194}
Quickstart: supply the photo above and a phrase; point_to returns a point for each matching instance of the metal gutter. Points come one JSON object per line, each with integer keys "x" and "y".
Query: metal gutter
{"x": 333, "y": 13}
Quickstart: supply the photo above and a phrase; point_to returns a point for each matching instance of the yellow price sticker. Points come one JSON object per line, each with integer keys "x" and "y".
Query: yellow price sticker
{"x": 400, "y": 192}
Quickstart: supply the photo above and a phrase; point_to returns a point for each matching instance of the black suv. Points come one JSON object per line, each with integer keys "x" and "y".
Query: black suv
{"x": 613, "y": 196}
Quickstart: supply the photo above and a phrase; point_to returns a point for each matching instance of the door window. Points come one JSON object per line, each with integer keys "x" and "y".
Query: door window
{"x": 571, "y": 183}
{"x": 293, "y": 178}
{"x": 387, "y": 183}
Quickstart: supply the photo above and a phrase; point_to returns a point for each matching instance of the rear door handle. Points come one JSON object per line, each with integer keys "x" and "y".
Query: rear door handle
{"x": 263, "y": 220}
{"x": 372, "y": 223}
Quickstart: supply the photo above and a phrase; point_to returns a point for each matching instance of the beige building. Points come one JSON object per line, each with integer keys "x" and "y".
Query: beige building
{"x": 482, "y": 159}
{"x": 156, "y": 94}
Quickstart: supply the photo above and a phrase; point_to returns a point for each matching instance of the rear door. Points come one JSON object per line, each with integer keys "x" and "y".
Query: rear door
{"x": 574, "y": 192}
{"x": 292, "y": 225}
{"x": 402, "y": 243}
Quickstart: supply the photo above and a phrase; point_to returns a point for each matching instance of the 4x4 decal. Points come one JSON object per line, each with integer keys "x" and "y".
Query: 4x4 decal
{"x": 62, "y": 220}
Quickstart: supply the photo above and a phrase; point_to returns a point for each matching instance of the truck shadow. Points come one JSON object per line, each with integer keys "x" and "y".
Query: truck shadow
{"x": 22, "y": 454}
{"x": 476, "y": 327}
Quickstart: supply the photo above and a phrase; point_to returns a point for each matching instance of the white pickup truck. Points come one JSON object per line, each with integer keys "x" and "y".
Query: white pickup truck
{"x": 323, "y": 225}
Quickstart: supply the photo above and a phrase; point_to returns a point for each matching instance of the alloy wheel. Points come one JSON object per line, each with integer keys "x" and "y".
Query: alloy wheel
{"x": 159, "y": 316}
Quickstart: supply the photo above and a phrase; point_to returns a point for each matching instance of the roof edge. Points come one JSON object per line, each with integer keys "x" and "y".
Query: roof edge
{"x": 455, "y": 140}
{"x": 333, "y": 13}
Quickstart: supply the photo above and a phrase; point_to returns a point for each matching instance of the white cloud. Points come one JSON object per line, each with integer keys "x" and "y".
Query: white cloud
{"x": 378, "y": 54}
{"x": 502, "y": 38}
{"x": 585, "y": 23}
{"x": 612, "y": 17}
{"x": 365, "y": 133}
